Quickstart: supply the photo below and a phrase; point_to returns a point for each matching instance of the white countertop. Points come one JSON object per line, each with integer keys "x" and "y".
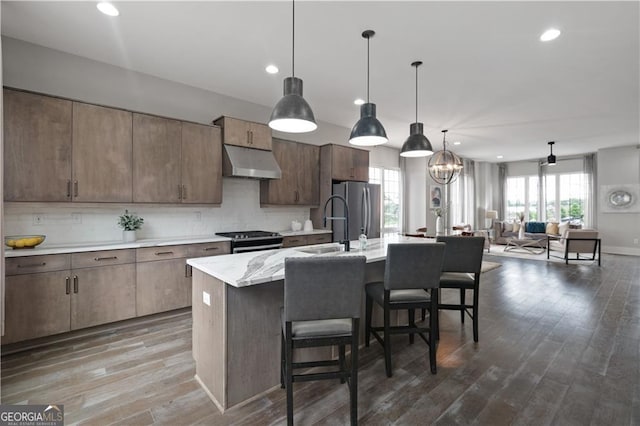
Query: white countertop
{"x": 109, "y": 245}
{"x": 246, "y": 269}
{"x": 302, "y": 232}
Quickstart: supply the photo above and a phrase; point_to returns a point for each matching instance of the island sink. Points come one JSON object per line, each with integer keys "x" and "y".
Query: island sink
{"x": 321, "y": 250}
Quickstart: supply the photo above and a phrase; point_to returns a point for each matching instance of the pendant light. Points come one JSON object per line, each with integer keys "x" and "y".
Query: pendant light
{"x": 417, "y": 144}
{"x": 444, "y": 166}
{"x": 292, "y": 114}
{"x": 551, "y": 159}
{"x": 368, "y": 131}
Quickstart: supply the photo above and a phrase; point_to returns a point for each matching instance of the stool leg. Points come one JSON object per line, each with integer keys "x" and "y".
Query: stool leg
{"x": 462, "y": 294}
{"x": 289, "y": 374}
{"x": 435, "y": 294}
{"x": 412, "y": 322}
{"x": 353, "y": 377}
{"x": 341, "y": 357}
{"x": 367, "y": 325}
{"x": 475, "y": 315}
{"x": 424, "y": 313}
{"x": 282, "y": 360}
{"x": 387, "y": 342}
{"x": 433, "y": 331}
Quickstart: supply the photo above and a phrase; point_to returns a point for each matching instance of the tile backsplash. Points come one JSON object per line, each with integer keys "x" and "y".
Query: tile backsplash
{"x": 69, "y": 223}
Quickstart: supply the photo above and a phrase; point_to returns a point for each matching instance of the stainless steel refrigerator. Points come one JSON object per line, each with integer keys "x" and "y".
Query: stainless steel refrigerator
{"x": 364, "y": 202}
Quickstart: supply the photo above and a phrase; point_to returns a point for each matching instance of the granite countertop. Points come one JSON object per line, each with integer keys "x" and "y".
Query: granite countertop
{"x": 289, "y": 233}
{"x": 246, "y": 269}
{"x": 109, "y": 245}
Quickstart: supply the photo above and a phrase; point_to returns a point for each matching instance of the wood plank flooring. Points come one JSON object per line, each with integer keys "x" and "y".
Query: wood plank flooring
{"x": 558, "y": 345}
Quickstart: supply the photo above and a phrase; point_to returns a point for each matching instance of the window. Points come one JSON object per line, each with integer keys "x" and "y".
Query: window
{"x": 390, "y": 183}
{"x": 565, "y": 197}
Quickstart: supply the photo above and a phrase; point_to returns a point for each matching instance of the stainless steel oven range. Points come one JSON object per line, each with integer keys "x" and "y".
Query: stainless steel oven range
{"x": 244, "y": 241}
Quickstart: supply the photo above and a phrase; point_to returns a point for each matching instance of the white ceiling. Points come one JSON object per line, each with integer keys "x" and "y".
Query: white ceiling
{"x": 486, "y": 77}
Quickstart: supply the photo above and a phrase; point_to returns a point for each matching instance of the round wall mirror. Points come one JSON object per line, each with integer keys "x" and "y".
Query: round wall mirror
{"x": 620, "y": 198}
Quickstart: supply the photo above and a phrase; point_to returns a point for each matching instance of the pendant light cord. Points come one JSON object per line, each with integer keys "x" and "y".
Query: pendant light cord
{"x": 416, "y": 93}
{"x": 293, "y": 39}
{"x": 368, "y": 69}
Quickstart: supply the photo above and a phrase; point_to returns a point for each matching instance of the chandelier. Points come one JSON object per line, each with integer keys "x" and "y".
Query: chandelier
{"x": 444, "y": 166}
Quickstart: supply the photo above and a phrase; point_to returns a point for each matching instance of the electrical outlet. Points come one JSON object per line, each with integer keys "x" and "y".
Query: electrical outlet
{"x": 635, "y": 241}
{"x": 198, "y": 216}
{"x": 206, "y": 298}
{"x": 76, "y": 218}
{"x": 38, "y": 218}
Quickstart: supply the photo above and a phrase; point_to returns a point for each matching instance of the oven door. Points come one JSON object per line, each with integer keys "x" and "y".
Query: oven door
{"x": 243, "y": 246}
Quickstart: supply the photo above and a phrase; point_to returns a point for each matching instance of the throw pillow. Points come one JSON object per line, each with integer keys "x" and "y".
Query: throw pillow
{"x": 508, "y": 227}
{"x": 552, "y": 228}
{"x": 516, "y": 227}
{"x": 563, "y": 228}
{"x": 536, "y": 227}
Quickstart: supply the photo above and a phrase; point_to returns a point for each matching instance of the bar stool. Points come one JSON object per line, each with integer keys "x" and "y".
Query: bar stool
{"x": 410, "y": 270}
{"x": 322, "y": 297}
{"x": 461, "y": 270}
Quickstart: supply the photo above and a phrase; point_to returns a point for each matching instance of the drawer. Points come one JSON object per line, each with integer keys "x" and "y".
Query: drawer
{"x": 209, "y": 249}
{"x": 319, "y": 238}
{"x": 298, "y": 240}
{"x": 102, "y": 258}
{"x": 150, "y": 254}
{"x": 35, "y": 264}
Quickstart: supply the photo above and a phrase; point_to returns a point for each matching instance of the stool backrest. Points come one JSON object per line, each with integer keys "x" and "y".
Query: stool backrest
{"x": 411, "y": 266}
{"x": 462, "y": 254}
{"x": 323, "y": 287}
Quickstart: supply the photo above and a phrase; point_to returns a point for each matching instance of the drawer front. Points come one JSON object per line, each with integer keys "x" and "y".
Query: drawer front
{"x": 319, "y": 239}
{"x": 150, "y": 254}
{"x": 209, "y": 249}
{"x": 102, "y": 258}
{"x": 35, "y": 264}
{"x": 298, "y": 240}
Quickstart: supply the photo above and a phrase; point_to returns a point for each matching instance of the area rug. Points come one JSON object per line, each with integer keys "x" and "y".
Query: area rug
{"x": 489, "y": 266}
{"x": 498, "y": 250}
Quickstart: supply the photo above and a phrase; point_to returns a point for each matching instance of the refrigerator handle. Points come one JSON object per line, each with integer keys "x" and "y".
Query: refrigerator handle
{"x": 363, "y": 210}
{"x": 369, "y": 211}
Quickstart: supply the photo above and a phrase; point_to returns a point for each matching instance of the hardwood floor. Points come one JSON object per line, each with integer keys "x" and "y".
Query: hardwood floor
{"x": 558, "y": 345}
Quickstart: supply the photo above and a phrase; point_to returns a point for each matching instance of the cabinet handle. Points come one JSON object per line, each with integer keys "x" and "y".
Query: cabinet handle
{"x": 179, "y": 192}
{"x": 67, "y": 281}
{"x": 75, "y": 283}
{"x": 251, "y": 142}
{"x": 249, "y": 137}
{"x": 98, "y": 259}
{"x": 211, "y": 248}
{"x": 161, "y": 253}
{"x": 184, "y": 192}
{"x": 294, "y": 241}
{"x": 69, "y": 188}
{"x": 75, "y": 188}
{"x": 32, "y": 265}
{"x": 188, "y": 271}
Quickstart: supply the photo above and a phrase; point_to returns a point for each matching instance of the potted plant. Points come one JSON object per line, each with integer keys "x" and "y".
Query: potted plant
{"x": 130, "y": 222}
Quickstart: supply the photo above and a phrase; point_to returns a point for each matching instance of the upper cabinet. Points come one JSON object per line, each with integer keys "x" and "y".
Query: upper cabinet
{"x": 37, "y": 147}
{"x": 102, "y": 169}
{"x": 245, "y": 133}
{"x": 348, "y": 163}
{"x": 60, "y": 150}
{"x": 299, "y": 184}
{"x": 176, "y": 162}
{"x": 201, "y": 164}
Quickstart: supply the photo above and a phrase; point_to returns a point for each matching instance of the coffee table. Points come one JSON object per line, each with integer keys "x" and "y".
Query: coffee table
{"x": 530, "y": 245}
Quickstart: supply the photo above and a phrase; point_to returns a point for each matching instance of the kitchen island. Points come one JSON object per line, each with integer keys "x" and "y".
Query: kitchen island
{"x": 236, "y": 316}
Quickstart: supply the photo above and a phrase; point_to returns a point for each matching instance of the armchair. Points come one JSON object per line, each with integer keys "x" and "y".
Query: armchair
{"x": 575, "y": 241}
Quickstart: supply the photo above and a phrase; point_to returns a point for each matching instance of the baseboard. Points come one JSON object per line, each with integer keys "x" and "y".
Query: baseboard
{"x": 629, "y": 251}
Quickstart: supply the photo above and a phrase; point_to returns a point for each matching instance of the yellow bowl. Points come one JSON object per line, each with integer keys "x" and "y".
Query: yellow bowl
{"x": 23, "y": 241}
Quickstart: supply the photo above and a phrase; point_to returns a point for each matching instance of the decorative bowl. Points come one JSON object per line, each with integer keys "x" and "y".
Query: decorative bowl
{"x": 23, "y": 241}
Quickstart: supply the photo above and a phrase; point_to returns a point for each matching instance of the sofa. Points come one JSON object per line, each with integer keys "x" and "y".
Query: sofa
{"x": 502, "y": 230}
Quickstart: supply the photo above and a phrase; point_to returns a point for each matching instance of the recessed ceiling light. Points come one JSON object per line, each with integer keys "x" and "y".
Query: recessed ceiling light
{"x": 107, "y": 9}
{"x": 272, "y": 69}
{"x": 457, "y": 143}
{"x": 550, "y": 34}
{"x": 499, "y": 156}
{"x": 359, "y": 101}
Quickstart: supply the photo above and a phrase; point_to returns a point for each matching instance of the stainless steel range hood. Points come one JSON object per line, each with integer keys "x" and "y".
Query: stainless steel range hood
{"x": 249, "y": 163}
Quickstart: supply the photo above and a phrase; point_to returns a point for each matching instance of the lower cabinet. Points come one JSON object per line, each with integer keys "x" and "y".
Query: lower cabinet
{"x": 306, "y": 240}
{"x": 46, "y": 295}
{"x": 162, "y": 285}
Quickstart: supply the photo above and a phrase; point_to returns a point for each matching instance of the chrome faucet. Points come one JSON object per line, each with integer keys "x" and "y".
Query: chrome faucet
{"x": 345, "y": 241}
